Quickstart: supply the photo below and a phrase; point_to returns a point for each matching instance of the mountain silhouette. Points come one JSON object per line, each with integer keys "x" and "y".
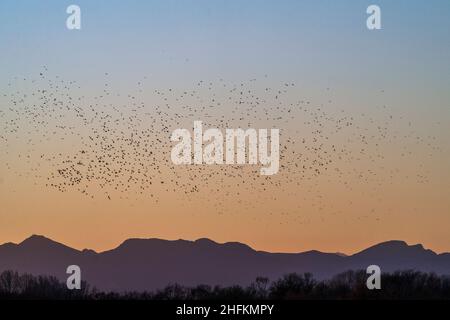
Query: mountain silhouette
{"x": 148, "y": 264}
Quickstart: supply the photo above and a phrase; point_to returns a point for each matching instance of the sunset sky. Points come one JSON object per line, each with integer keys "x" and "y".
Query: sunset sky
{"x": 376, "y": 103}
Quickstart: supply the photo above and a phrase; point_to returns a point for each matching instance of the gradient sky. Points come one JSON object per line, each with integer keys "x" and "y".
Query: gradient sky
{"x": 315, "y": 44}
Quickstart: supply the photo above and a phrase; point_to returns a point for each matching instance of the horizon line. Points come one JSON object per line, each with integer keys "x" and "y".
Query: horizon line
{"x": 222, "y": 243}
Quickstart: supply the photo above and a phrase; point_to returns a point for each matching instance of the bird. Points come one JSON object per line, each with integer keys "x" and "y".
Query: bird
{"x": 117, "y": 144}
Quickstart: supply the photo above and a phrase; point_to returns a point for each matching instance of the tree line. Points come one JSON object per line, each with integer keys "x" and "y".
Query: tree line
{"x": 350, "y": 285}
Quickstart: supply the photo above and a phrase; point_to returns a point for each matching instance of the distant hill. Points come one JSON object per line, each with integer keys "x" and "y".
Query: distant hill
{"x": 147, "y": 264}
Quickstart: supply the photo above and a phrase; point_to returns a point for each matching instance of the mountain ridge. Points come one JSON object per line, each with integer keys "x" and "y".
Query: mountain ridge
{"x": 139, "y": 264}
{"x": 390, "y": 243}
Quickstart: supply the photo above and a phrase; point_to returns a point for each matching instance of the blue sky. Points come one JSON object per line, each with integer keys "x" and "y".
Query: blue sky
{"x": 316, "y": 44}
{"x": 286, "y": 39}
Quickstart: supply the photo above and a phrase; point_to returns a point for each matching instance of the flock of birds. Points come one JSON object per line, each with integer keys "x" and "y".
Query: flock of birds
{"x": 116, "y": 145}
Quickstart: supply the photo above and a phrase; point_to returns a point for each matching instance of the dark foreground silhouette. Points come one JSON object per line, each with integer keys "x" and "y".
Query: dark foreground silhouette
{"x": 150, "y": 264}
{"x": 348, "y": 285}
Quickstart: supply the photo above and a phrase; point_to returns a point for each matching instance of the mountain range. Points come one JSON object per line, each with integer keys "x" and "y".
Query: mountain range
{"x": 149, "y": 264}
